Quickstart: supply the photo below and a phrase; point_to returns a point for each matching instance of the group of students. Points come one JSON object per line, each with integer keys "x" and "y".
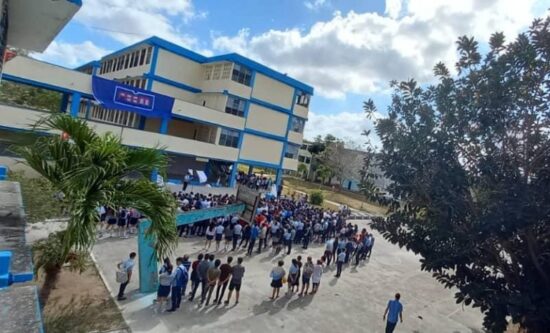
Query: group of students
{"x": 205, "y": 272}
{"x": 298, "y": 273}
{"x": 254, "y": 181}
{"x": 117, "y": 222}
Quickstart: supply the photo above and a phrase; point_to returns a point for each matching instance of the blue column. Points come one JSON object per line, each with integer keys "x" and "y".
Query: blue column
{"x": 64, "y": 103}
{"x": 233, "y": 175}
{"x": 279, "y": 177}
{"x": 148, "y": 275}
{"x": 164, "y": 125}
{"x": 75, "y": 104}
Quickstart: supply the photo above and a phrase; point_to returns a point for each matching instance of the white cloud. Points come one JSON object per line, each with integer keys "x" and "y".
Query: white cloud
{"x": 129, "y": 21}
{"x": 71, "y": 55}
{"x": 315, "y": 4}
{"x": 344, "y": 125}
{"x": 362, "y": 52}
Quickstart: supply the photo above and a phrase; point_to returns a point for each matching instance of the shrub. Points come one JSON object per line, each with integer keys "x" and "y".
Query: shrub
{"x": 316, "y": 198}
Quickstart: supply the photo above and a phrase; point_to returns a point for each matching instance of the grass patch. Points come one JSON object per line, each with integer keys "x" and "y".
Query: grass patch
{"x": 38, "y": 197}
{"x": 351, "y": 199}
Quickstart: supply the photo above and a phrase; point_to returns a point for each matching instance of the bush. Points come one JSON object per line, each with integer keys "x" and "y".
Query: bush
{"x": 316, "y": 198}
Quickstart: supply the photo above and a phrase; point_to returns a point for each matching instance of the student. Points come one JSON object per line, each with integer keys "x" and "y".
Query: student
{"x": 306, "y": 276}
{"x": 210, "y": 231}
{"x": 180, "y": 277}
{"x": 237, "y": 234}
{"x": 393, "y": 311}
{"x": 165, "y": 282}
{"x": 246, "y": 236}
{"x": 316, "y": 276}
{"x": 213, "y": 275}
{"x": 195, "y": 276}
{"x": 187, "y": 264}
{"x": 329, "y": 247}
{"x": 133, "y": 220}
{"x": 122, "y": 222}
{"x": 219, "y": 235}
{"x": 263, "y": 237}
{"x": 186, "y": 180}
{"x": 293, "y": 273}
{"x": 288, "y": 240}
{"x": 254, "y": 233}
{"x": 126, "y": 266}
{"x": 340, "y": 259}
{"x": 223, "y": 280}
{"x": 228, "y": 233}
{"x": 277, "y": 275}
{"x": 237, "y": 273}
{"x": 111, "y": 221}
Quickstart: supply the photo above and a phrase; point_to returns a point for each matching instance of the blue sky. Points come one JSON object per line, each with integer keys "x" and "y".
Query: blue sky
{"x": 347, "y": 49}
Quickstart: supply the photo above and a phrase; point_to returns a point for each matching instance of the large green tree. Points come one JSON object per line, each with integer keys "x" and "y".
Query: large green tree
{"x": 469, "y": 158}
{"x": 92, "y": 170}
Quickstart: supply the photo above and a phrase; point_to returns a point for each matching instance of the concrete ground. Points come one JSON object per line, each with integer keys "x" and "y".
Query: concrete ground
{"x": 353, "y": 303}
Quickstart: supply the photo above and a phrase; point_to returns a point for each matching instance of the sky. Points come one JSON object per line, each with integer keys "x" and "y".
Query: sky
{"x": 348, "y": 50}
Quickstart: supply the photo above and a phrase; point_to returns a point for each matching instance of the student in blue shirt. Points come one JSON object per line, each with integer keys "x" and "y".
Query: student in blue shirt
{"x": 393, "y": 311}
{"x": 254, "y": 234}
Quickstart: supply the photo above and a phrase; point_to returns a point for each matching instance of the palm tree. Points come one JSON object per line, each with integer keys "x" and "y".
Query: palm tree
{"x": 92, "y": 170}
{"x": 302, "y": 170}
{"x": 324, "y": 173}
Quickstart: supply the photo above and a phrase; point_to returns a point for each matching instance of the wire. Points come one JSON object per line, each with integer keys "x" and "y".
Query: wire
{"x": 116, "y": 31}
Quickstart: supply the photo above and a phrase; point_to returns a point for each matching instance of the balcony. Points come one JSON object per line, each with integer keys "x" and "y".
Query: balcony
{"x": 21, "y": 118}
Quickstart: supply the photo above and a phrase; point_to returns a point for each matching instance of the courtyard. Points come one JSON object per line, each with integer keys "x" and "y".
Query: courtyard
{"x": 353, "y": 303}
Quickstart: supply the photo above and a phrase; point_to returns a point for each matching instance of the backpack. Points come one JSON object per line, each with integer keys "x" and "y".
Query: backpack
{"x": 183, "y": 277}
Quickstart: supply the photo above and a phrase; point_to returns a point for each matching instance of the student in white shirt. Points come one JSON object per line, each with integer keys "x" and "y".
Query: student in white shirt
{"x": 126, "y": 266}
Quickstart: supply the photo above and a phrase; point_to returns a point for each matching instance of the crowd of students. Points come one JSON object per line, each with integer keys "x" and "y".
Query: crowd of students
{"x": 120, "y": 222}
{"x": 254, "y": 181}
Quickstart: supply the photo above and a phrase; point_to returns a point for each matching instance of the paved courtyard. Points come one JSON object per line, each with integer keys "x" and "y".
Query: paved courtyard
{"x": 353, "y": 303}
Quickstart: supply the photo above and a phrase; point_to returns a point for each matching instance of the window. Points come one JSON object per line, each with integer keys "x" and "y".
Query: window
{"x": 301, "y": 159}
{"x": 291, "y": 151}
{"x": 142, "y": 57}
{"x": 241, "y": 74}
{"x": 303, "y": 147}
{"x": 217, "y": 73}
{"x": 136, "y": 59}
{"x": 148, "y": 58}
{"x": 298, "y": 125}
{"x": 126, "y": 61}
{"x": 229, "y": 138}
{"x": 208, "y": 72}
{"x": 235, "y": 106}
{"x": 226, "y": 73}
{"x": 303, "y": 99}
{"x": 308, "y": 160}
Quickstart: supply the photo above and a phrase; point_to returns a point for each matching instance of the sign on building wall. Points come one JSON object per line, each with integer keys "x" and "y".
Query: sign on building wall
{"x": 115, "y": 95}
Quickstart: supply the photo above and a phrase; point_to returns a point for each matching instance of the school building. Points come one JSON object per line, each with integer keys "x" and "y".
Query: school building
{"x": 224, "y": 111}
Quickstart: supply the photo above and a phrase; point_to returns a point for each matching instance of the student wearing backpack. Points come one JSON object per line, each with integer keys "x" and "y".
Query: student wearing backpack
{"x": 180, "y": 279}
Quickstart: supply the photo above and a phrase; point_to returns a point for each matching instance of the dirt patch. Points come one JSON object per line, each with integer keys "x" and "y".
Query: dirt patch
{"x": 80, "y": 303}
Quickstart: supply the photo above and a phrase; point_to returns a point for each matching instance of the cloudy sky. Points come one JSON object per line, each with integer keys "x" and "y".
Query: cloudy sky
{"x": 347, "y": 49}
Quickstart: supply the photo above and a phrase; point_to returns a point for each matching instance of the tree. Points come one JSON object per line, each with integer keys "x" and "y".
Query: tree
{"x": 324, "y": 173}
{"x": 469, "y": 158}
{"x": 93, "y": 170}
{"x": 302, "y": 170}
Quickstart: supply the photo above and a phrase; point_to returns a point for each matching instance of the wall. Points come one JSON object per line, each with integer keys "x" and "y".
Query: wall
{"x": 177, "y": 68}
{"x": 290, "y": 164}
{"x": 123, "y": 73}
{"x": 260, "y": 149}
{"x": 35, "y": 70}
{"x": 300, "y": 111}
{"x": 266, "y": 120}
{"x": 199, "y": 112}
{"x": 168, "y": 90}
{"x": 232, "y": 87}
{"x": 216, "y": 101}
{"x": 272, "y": 91}
{"x": 295, "y": 137}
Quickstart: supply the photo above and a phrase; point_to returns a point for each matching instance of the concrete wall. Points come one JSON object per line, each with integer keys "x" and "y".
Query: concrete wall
{"x": 290, "y": 164}
{"x": 177, "y": 93}
{"x": 216, "y": 101}
{"x": 232, "y": 87}
{"x": 36, "y": 70}
{"x": 272, "y": 91}
{"x": 300, "y": 111}
{"x": 295, "y": 137}
{"x": 177, "y": 68}
{"x": 260, "y": 149}
{"x": 199, "y": 112}
{"x": 266, "y": 120}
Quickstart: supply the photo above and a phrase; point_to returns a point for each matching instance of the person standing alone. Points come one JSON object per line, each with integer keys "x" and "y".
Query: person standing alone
{"x": 125, "y": 266}
{"x": 393, "y": 311}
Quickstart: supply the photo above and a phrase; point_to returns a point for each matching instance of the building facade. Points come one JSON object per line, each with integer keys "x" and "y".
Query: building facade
{"x": 228, "y": 110}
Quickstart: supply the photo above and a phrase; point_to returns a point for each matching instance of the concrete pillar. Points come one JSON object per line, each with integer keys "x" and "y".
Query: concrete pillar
{"x": 250, "y": 169}
{"x": 233, "y": 175}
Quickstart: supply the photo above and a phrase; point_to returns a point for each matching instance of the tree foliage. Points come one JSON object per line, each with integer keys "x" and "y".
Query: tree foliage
{"x": 12, "y": 93}
{"x": 469, "y": 158}
{"x": 93, "y": 170}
